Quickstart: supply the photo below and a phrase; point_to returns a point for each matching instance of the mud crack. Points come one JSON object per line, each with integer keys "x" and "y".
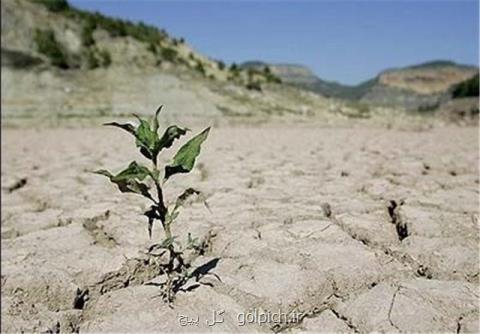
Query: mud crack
{"x": 391, "y": 309}
{"x": 345, "y": 320}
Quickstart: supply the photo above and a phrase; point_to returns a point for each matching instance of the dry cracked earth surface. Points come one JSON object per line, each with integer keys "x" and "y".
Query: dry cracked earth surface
{"x": 356, "y": 229}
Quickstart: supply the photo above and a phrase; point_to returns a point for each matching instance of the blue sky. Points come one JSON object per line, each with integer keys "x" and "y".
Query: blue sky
{"x": 345, "y": 41}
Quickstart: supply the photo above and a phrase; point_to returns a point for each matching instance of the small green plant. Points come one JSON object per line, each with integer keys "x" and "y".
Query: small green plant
{"x": 141, "y": 180}
{"x": 48, "y": 45}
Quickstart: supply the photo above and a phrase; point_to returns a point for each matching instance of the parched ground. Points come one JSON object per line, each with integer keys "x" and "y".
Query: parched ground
{"x": 358, "y": 229}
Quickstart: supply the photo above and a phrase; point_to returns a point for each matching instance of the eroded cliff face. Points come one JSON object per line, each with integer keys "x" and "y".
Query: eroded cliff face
{"x": 145, "y": 67}
{"x": 427, "y": 80}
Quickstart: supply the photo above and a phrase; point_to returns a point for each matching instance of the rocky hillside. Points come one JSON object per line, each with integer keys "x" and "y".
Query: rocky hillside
{"x": 58, "y": 60}
{"x": 419, "y": 87}
{"x": 53, "y": 32}
{"x": 62, "y": 62}
{"x": 429, "y": 78}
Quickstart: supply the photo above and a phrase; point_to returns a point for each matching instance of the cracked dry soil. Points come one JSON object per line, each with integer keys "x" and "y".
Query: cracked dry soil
{"x": 359, "y": 229}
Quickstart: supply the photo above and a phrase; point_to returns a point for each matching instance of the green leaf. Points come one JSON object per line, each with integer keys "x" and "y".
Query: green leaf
{"x": 146, "y": 139}
{"x": 184, "y": 160}
{"x": 146, "y": 135}
{"x": 171, "y": 133}
{"x": 155, "y": 124}
{"x": 104, "y": 172}
{"x": 128, "y": 179}
{"x": 127, "y": 127}
{"x": 133, "y": 171}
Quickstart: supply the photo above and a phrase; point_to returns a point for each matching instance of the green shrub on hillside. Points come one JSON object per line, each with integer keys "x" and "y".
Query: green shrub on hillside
{"x": 254, "y": 85}
{"x": 428, "y": 107}
{"x": 467, "y": 88}
{"x": 48, "y": 45}
{"x": 105, "y": 57}
{"x": 87, "y": 33}
{"x": 200, "y": 68}
{"x": 152, "y": 48}
{"x": 96, "y": 58}
{"x": 115, "y": 27}
{"x": 269, "y": 76}
{"x": 169, "y": 54}
{"x": 54, "y": 5}
{"x": 92, "y": 60}
{"x": 221, "y": 65}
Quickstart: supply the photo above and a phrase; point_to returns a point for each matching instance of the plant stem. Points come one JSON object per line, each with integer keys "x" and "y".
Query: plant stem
{"x": 162, "y": 210}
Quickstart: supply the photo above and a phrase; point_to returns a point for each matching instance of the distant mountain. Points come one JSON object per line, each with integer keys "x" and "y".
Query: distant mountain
{"x": 428, "y": 78}
{"x": 419, "y": 86}
{"x": 301, "y": 76}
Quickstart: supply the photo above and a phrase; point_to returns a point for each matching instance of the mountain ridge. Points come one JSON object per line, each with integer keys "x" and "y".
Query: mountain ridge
{"x": 412, "y": 87}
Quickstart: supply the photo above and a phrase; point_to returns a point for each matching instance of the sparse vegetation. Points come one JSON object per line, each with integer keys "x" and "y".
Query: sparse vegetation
{"x": 428, "y": 107}
{"x": 96, "y": 58}
{"x": 169, "y": 54}
{"x": 270, "y": 77}
{"x": 92, "y": 60}
{"x": 356, "y": 110}
{"x": 221, "y": 65}
{"x": 467, "y": 88}
{"x": 139, "y": 179}
{"x": 156, "y": 41}
{"x": 152, "y": 48}
{"x": 54, "y": 5}
{"x": 87, "y": 33}
{"x": 200, "y": 68}
{"x": 254, "y": 85}
{"x": 48, "y": 45}
{"x": 233, "y": 67}
{"x": 115, "y": 27}
{"x": 105, "y": 57}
